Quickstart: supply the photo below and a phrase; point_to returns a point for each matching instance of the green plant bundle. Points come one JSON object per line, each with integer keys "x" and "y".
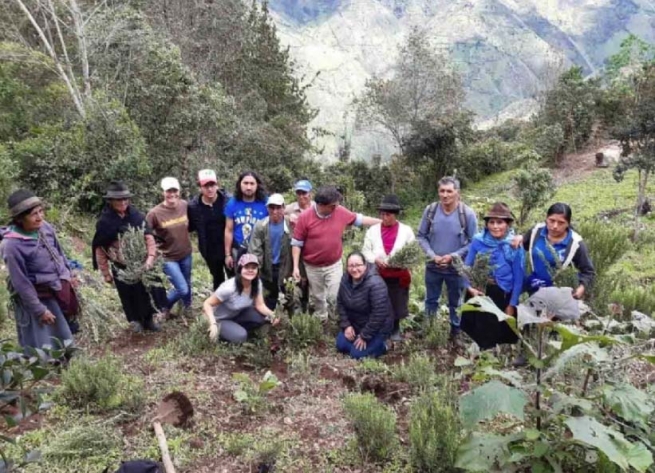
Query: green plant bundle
{"x": 478, "y": 275}
{"x": 100, "y": 385}
{"x": 561, "y": 277}
{"x": 97, "y": 317}
{"x": 434, "y": 432}
{"x": 374, "y": 425}
{"x": 83, "y": 441}
{"x": 132, "y": 245}
{"x": 408, "y": 257}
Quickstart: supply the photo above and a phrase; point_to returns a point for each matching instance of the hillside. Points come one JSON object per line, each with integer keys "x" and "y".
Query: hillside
{"x": 507, "y": 50}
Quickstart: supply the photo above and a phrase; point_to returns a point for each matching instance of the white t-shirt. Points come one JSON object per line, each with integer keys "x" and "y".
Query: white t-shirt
{"x": 231, "y": 302}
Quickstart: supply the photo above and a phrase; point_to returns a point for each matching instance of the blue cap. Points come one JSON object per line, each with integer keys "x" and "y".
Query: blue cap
{"x": 303, "y": 185}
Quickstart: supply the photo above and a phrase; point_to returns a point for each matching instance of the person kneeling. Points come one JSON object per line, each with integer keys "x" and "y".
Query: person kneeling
{"x": 366, "y": 317}
{"x": 237, "y": 307}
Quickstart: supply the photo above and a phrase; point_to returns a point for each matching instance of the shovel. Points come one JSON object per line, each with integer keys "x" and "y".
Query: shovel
{"x": 175, "y": 409}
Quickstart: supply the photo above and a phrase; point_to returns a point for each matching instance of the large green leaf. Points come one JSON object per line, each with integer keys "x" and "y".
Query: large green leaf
{"x": 561, "y": 401}
{"x": 590, "y": 353}
{"x": 571, "y": 337}
{"x": 629, "y": 403}
{"x": 483, "y": 452}
{"x": 484, "y": 304}
{"x": 489, "y": 400}
{"x": 588, "y": 431}
{"x": 512, "y": 377}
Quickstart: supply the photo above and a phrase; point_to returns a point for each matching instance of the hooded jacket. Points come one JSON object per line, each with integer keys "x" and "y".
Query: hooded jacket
{"x": 32, "y": 261}
{"x": 198, "y": 224}
{"x": 260, "y": 246}
{"x": 365, "y": 305}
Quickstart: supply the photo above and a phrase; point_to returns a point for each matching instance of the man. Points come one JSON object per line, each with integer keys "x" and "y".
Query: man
{"x": 242, "y": 212}
{"x": 318, "y": 235}
{"x": 271, "y": 243}
{"x": 445, "y": 231}
{"x": 207, "y": 219}
{"x": 303, "y": 189}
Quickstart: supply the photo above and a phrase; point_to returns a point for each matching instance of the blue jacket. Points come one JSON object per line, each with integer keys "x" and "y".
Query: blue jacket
{"x": 508, "y": 264}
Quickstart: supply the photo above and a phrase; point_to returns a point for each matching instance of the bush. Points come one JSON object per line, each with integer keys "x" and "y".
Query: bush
{"x": 436, "y": 332}
{"x": 100, "y": 385}
{"x": 434, "y": 431}
{"x": 606, "y": 243}
{"x": 196, "y": 340}
{"x": 418, "y": 372}
{"x": 303, "y": 331}
{"x": 374, "y": 425}
{"x": 83, "y": 441}
{"x": 632, "y": 297}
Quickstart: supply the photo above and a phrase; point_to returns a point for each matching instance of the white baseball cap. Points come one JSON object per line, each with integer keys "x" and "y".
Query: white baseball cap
{"x": 275, "y": 199}
{"x": 168, "y": 183}
{"x": 205, "y": 176}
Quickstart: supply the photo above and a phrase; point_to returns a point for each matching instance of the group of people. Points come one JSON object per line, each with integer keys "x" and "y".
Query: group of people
{"x": 253, "y": 244}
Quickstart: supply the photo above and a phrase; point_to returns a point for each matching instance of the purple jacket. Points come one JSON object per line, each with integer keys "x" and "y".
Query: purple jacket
{"x": 29, "y": 262}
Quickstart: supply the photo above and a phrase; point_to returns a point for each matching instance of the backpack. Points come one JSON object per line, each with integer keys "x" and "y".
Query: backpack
{"x": 432, "y": 210}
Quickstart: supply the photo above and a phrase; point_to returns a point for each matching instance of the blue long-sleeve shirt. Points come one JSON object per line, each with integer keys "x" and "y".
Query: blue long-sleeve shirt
{"x": 508, "y": 274}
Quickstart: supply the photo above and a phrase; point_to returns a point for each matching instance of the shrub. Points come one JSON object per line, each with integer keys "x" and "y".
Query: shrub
{"x": 100, "y": 385}
{"x": 418, "y": 372}
{"x": 252, "y": 395}
{"x": 373, "y": 366}
{"x": 632, "y": 297}
{"x": 196, "y": 340}
{"x": 303, "y": 331}
{"x": 374, "y": 425}
{"x": 82, "y": 441}
{"x": 436, "y": 332}
{"x": 434, "y": 431}
{"x": 606, "y": 243}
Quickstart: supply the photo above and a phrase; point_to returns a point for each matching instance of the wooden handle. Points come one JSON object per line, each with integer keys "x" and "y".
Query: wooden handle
{"x": 163, "y": 447}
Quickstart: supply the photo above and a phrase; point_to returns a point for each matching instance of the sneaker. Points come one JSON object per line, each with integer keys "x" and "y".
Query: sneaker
{"x": 152, "y": 326}
{"x": 396, "y": 336}
{"x": 136, "y": 327}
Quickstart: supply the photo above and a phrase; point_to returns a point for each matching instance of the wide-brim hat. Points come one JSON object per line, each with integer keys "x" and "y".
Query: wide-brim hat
{"x": 499, "y": 210}
{"x": 390, "y": 203}
{"x": 21, "y": 201}
{"x": 117, "y": 190}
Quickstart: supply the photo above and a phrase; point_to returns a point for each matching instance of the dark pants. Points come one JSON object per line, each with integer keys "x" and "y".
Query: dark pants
{"x": 139, "y": 303}
{"x": 272, "y": 288}
{"x": 375, "y": 347}
{"x": 237, "y": 252}
{"x": 434, "y": 281}
{"x": 217, "y": 269}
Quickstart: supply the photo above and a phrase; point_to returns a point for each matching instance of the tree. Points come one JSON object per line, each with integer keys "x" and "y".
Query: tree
{"x": 424, "y": 89}
{"x": 636, "y": 132}
{"x": 533, "y": 187}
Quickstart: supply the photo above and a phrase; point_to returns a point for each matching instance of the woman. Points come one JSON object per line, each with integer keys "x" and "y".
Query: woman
{"x": 117, "y": 217}
{"x": 552, "y": 246}
{"x": 170, "y": 224}
{"x": 39, "y": 275}
{"x": 237, "y": 307}
{"x": 381, "y": 242}
{"x": 366, "y": 316}
{"x": 505, "y": 282}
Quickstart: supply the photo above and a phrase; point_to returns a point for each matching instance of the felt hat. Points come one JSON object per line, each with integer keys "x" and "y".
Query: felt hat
{"x": 117, "y": 190}
{"x": 390, "y": 203}
{"x": 499, "y": 210}
{"x": 247, "y": 259}
{"x": 21, "y": 201}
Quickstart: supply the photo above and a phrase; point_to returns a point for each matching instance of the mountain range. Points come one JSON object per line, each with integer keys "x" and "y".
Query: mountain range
{"x": 506, "y": 50}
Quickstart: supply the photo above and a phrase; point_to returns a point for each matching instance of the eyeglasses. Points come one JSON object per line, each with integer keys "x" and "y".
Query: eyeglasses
{"x": 356, "y": 265}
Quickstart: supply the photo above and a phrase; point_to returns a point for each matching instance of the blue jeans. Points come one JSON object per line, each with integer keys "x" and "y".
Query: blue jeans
{"x": 374, "y": 347}
{"x": 179, "y": 274}
{"x": 434, "y": 281}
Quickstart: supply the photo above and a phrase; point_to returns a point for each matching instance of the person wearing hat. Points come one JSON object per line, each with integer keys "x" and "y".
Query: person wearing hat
{"x": 170, "y": 224}
{"x": 505, "y": 281}
{"x": 207, "y": 219}
{"x": 237, "y": 307}
{"x": 244, "y": 209}
{"x": 271, "y": 243}
{"x": 119, "y": 216}
{"x": 381, "y": 242}
{"x": 32, "y": 253}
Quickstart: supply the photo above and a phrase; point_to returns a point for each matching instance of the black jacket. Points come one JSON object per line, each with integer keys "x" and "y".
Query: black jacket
{"x": 198, "y": 224}
{"x": 365, "y": 305}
